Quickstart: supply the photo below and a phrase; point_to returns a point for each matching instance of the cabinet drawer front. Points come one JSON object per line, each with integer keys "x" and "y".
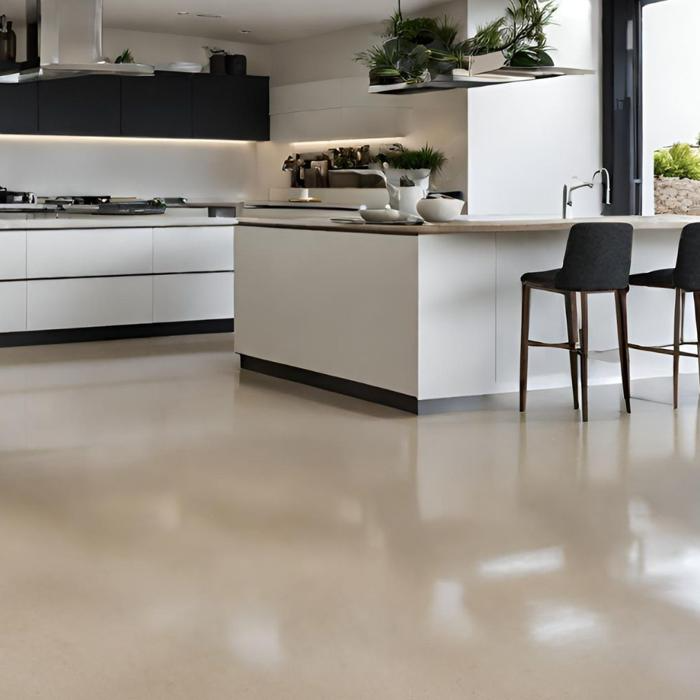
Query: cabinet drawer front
{"x": 89, "y": 252}
{"x": 202, "y": 297}
{"x": 13, "y": 255}
{"x": 83, "y": 303}
{"x": 193, "y": 249}
{"x": 13, "y": 307}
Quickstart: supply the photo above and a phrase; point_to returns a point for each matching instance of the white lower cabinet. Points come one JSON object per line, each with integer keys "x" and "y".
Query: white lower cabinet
{"x": 84, "y": 303}
{"x": 194, "y": 249}
{"x": 13, "y": 255}
{"x": 191, "y": 297}
{"x": 89, "y": 252}
{"x": 58, "y": 279}
{"x": 13, "y": 307}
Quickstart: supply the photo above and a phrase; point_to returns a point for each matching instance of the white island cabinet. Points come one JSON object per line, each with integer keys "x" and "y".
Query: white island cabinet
{"x": 427, "y": 318}
{"x": 90, "y": 278}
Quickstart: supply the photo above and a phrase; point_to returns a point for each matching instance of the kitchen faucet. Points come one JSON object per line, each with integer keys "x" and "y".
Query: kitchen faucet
{"x": 607, "y": 183}
{"x": 568, "y": 201}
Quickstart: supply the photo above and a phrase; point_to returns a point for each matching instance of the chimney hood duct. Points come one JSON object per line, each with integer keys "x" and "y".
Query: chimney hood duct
{"x": 64, "y": 40}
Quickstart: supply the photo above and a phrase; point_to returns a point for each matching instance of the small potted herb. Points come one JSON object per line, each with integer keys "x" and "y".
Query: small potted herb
{"x": 408, "y": 172}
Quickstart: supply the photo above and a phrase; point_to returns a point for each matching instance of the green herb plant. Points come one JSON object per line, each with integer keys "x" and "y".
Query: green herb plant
{"x": 415, "y": 50}
{"x": 681, "y": 160}
{"x": 424, "y": 158}
{"x": 125, "y": 57}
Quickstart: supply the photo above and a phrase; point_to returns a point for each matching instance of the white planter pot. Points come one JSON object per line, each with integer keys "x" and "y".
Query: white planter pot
{"x": 405, "y": 199}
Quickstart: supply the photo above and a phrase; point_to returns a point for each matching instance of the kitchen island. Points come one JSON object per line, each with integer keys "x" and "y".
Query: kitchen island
{"x": 69, "y": 278}
{"x": 427, "y": 318}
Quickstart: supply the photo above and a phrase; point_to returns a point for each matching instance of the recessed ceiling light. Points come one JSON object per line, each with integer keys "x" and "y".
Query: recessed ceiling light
{"x": 182, "y": 13}
{"x": 246, "y": 31}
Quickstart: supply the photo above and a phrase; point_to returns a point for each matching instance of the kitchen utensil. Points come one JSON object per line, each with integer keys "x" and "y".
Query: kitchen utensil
{"x": 380, "y": 216}
{"x": 217, "y": 64}
{"x": 440, "y": 209}
{"x": 8, "y": 41}
{"x": 237, "y": 64}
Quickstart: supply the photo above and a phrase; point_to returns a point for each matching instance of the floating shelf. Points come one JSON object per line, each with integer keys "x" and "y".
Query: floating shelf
{"x": 502, "y": 76}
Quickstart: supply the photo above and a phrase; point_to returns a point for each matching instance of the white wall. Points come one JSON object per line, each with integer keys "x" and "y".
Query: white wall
{"x": 129, "y": 167}
{"x": 527, "y": 140}
{"x": 671, "y": 95}
{"x": 139, "y": 167}
{"x": 440, "y": 119}
{"x": 164, "y": 48}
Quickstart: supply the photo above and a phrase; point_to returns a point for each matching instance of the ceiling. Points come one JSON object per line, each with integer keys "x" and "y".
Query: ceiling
{"x": 269, "y": 21}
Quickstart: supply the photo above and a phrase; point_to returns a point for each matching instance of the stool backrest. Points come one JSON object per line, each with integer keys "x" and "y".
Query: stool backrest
{"x": 687, "y": 275}
{"x": 598, "y": 258}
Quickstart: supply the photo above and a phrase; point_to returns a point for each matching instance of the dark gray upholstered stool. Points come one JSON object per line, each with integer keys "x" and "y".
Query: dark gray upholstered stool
{"x": 684, "y": 279}
{"x": 597, "y": 260}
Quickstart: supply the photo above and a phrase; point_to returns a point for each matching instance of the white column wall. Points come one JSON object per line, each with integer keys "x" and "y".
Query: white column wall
{"x": 526, "y": 141}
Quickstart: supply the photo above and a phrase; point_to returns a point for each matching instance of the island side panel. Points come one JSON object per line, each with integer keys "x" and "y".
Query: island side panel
{"x": 457, "y": 328}
{"x": 518, "y": 253}
{"x": 337, "y": 303}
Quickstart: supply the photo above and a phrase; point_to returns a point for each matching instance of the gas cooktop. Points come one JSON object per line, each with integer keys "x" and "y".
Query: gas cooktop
{"x": 17, "y": 202}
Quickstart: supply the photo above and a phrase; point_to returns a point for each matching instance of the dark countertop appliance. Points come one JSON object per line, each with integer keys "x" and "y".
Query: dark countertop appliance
{"x": 9, "y": 197}
{"x": 106, "y": 205}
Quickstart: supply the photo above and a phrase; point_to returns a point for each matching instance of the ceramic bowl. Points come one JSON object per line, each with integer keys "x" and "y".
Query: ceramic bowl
{"x": 380, "y": 216}
{"x": 440, "y": 210}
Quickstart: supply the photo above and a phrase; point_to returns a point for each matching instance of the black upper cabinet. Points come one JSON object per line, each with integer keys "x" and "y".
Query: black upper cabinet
{"x": 18, "y": 109}
{"x": 227, "y": 107}
{"x": 159, "y": 107}
{"x": 168, "y": 105}
{"x": 86, "y": 106}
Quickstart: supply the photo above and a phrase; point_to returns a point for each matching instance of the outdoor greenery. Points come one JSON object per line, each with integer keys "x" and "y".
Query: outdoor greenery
{"x": 681, "y": 160}
{"x": 416, "y": 49}
{"x": 425, "y": 158}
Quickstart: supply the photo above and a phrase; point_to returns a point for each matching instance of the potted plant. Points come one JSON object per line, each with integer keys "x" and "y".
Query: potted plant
{"x": 417, "y": 50}
{"x": 408, "y": 173}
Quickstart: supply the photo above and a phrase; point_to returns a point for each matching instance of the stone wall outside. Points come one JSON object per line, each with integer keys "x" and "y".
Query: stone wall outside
{"x": 673, "y": 195}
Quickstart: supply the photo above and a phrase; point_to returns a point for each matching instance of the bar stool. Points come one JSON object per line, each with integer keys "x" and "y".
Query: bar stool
{"x": 597, "y": 260}
{"x": 684, "y": 279}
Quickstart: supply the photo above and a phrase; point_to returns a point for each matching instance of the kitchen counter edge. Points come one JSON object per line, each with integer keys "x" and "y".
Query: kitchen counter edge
{"x": 475, "y": 225}
{"x": 90, "y": 222}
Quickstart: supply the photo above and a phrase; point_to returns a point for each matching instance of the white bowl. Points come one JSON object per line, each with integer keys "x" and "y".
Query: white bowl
{"x": 380, "y": 216}
{"x": 440, "y": 210}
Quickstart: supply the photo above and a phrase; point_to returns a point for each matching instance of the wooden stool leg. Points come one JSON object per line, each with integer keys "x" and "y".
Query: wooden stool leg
{"x": 584, "y": 355}
{"x": 677, "y": 331}
{"x": 623, "y": 340}
{"x": 524, "y": 347}
{"x": 696, "y": 296}
{"x": 571, "y": 323}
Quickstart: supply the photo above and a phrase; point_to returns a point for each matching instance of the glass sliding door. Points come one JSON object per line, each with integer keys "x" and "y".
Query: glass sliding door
{"x": 671, "y": 104}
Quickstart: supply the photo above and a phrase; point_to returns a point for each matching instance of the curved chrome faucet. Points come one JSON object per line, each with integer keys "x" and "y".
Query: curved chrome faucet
{"x": 568, "y": 201}
{"x": 607, "y": 184}
{"x": 568, "y": 196}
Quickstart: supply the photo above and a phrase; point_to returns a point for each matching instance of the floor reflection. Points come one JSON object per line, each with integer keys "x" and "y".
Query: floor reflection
{"x": 165, "y": 524}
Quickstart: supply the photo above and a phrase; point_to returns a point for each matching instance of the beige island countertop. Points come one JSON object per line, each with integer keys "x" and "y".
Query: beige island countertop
{"x": 474, "y": 224}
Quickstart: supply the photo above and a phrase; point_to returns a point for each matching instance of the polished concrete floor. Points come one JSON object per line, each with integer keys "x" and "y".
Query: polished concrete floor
{"x": 172, "y": 529}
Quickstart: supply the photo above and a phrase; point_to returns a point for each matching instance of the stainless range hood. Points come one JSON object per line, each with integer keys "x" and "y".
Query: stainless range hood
{"x": 64, "y": 40}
